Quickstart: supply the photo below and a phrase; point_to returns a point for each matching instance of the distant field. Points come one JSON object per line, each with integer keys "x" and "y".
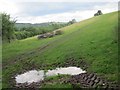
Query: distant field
{"x": 93, "y": 40}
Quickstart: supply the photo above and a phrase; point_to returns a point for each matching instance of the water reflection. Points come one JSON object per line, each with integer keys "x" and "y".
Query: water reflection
{"x": 36, "y": 76}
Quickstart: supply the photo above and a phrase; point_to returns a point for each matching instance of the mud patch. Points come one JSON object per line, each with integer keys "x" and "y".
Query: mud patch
{"x": 90, "y": 80}
{"x": 84, "y": 80}
{"x": 71, "y": 61}
{"x": 35, "y": 76}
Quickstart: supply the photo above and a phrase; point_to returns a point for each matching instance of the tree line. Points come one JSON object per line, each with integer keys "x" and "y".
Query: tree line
{"x": 10, "y": 32}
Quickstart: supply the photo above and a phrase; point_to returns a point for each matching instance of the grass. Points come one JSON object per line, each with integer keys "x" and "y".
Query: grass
{"x": 94, "y": 40}
{"x": 22, "y": 46}
{"x": 56, "y": 82}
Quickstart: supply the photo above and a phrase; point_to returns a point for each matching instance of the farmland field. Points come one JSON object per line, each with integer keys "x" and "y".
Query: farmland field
{"x": 92, "y": 41}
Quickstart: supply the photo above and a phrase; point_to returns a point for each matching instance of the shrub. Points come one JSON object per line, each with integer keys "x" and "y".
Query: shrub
{"x": 58, "y": 32}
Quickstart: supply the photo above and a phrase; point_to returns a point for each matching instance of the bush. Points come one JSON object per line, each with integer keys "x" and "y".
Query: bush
{"x": 58, "y": 32}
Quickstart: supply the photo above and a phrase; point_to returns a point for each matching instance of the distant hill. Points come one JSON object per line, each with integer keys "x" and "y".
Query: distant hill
{"x": 21, "y": 25}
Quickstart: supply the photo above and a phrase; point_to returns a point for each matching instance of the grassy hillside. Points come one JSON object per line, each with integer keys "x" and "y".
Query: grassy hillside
{"x": 93, "y": 40}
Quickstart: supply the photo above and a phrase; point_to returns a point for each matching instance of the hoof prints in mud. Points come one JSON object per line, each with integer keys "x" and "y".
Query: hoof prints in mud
{"x": 89, "y": 80}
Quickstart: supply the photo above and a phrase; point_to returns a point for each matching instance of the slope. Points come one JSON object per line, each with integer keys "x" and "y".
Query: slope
{"x": 93, "y": 40}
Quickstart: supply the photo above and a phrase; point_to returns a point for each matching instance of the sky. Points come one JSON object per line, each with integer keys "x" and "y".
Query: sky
{"x": 40, "y": 11}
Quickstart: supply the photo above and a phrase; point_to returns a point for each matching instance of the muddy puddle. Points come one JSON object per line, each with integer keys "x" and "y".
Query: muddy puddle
{"x": 30, "y": 76}
{"x": 36, "y": 76}
{"x": 68, "y": 70}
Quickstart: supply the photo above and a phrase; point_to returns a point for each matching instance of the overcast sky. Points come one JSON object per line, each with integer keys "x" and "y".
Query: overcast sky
{"x": 38, "y": 11}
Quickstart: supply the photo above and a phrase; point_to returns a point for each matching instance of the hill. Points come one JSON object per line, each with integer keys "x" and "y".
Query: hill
{"x": 21, "y": 25}
{"x": 92, "y": 41}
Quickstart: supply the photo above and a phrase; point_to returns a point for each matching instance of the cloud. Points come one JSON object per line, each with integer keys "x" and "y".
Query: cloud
{"x": 67, "y": 16}
{"x": 109, "y": 7}
{"x": 43, "y": 8}
{"x": 63, "y": 0}
{"x": 60, "y": 17}
{"x": 8, "y": 7}
{"x": 38, "y": 12}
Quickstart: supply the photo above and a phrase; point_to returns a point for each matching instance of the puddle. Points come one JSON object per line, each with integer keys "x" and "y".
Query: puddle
{"x": 68, "y": 70}
{"x": 36, "y": 76}
{"x": 30, "y": 76}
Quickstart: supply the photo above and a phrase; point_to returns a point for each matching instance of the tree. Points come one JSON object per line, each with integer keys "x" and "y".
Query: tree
{"x": 7, "y": 27}
{"x": 98, "y": 13}
{"x": 72, "y": 21}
